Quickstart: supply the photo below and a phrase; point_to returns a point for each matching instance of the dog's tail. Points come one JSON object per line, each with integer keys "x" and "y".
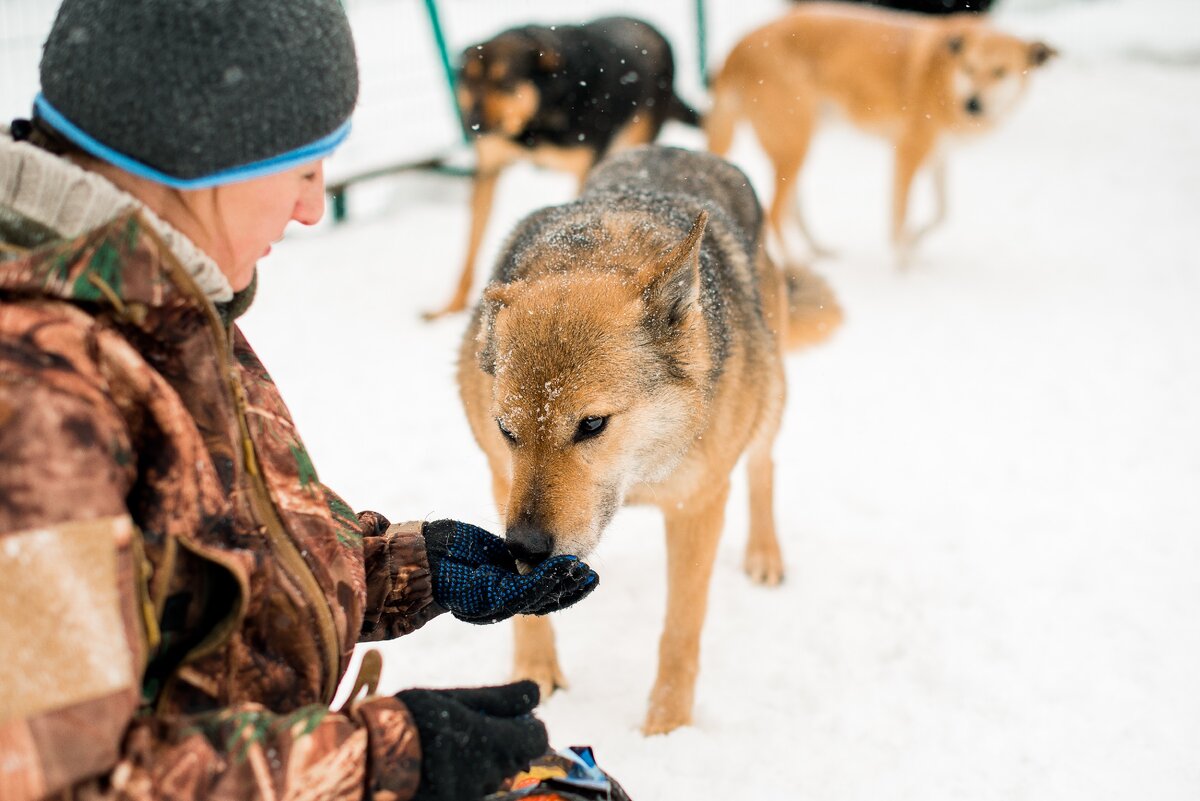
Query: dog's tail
{"x": 813, "y": 311}
{"x": 680, "y": 111}
{"x": 721, "y": 118}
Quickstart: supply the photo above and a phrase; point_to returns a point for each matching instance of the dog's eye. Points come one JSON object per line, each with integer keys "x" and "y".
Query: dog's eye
{"x": 589, "y": 427}
{"x": 508, "y": 435}
{"x": 999, "y": 73}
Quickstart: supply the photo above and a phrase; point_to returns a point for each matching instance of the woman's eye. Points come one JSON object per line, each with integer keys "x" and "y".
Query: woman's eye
{"x": 508, "y": 435}
{"x": 589, "y": 427}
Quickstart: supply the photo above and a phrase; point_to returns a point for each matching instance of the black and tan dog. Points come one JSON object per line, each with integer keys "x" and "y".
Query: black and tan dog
{"x": 562, "y": 97}
{"x": 933, "y": 7}
{"x": 629, "y": 349}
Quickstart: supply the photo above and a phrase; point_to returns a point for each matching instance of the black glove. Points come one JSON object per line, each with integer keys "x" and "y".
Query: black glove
{"x": 473, "y": 739}
{"x": 476, "y": 578}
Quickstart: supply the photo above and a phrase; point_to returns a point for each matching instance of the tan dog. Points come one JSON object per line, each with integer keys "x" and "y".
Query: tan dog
{"x": 629, "y": 350}
{"x": 919, "y": 81}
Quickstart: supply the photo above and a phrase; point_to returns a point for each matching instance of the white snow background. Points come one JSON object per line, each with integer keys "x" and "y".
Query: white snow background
{"x": 988, "y": 480}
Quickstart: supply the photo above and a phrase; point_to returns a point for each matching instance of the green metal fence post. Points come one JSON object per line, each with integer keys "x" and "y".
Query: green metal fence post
{"x": 447, "y": 67}
{"x": 702, "y": 42}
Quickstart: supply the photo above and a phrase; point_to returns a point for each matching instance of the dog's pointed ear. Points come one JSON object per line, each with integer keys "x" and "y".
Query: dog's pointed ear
{"x": 1040, "y": 53}
{"x": 671, "y": 285}
{"x": 495, "y": 297}
{"x": 470, "y": 63}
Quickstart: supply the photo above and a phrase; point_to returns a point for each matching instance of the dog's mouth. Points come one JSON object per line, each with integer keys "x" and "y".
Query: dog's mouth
{"x": 527, "y": 559}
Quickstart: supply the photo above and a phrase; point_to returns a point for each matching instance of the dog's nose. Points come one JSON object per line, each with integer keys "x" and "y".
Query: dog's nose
{"x": 974, "y": 106}
{"x": 472, "y": 121}
{"x": 529, "y": 543}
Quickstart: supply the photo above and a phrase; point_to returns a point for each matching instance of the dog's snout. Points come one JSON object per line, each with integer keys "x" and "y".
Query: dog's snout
{"x": 528, "y": 542}
{"x": 974, "y": 105}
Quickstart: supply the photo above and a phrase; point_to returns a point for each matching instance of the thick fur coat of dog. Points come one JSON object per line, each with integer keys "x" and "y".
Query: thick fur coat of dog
{"x": 562, "y": 97}
{"x": 629, "y": 350}
{"x": 916, "y": 80}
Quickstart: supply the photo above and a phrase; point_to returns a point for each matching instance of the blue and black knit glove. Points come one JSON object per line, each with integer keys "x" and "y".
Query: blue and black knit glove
{"x": 476, "y": 578}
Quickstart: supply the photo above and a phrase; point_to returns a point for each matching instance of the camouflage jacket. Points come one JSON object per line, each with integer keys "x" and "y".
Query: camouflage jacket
{"x": 181, "y": 595}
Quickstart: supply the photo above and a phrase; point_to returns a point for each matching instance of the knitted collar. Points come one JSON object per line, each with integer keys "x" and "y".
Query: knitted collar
{"x": 71, "y": 201}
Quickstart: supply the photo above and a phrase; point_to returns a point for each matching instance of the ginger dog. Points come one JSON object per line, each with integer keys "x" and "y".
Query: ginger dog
{"x": 629, "y": 350}
{"x": 919, "y": 81}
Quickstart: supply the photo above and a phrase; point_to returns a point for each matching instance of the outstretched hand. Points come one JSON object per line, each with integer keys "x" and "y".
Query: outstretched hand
{"x": 477, "y": 579}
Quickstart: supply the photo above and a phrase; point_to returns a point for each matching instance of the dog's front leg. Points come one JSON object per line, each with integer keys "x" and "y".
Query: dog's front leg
{"x": 938, "y": 174}
{"x": 483, "y": 191}
{"x": 764, "y": 562}
{"x": 911, "y": 152}
{"x": 492, "y": 154}
{"x": 534, "y": 654}
{"x": 692, "y": 536}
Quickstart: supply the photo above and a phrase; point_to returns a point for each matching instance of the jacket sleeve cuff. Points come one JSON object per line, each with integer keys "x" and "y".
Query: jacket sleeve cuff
{"x": 399, "y": 585}
{"x": 393, "y": 749}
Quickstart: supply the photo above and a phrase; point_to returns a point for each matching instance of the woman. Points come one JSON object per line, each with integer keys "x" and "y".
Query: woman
{"x": 181, "y": 593}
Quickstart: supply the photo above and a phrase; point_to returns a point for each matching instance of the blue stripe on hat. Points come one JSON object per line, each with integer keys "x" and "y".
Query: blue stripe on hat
{"x": 284, "y": 161}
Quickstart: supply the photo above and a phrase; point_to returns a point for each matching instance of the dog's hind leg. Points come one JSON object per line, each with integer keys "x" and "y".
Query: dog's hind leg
{"x": 692, "y": 535}
{"x": 721, "y": 120}
{"x": 787, "y": 150}
{"x": 764, "y": 561}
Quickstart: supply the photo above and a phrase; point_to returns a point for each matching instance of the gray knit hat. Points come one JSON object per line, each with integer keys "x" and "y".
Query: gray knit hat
{"x": 195, "y": 93}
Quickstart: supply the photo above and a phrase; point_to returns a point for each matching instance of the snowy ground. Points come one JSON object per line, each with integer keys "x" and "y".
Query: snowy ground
{"x": 989, "y": 479}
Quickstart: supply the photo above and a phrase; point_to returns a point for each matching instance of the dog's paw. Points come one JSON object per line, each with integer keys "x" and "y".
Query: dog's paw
{"x": 822, "y": 252}
{"x": 545, "y": 673}
{"x": 764, "y": 567}
{"x": 666, "y": 716}
{"x": 437, "y": 314}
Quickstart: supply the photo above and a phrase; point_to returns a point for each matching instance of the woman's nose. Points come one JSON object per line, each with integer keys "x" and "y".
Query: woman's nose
{"x": 310, "y": 208}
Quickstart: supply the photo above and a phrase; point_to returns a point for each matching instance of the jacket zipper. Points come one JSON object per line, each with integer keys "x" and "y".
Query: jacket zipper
{"x": 293, "y": 562}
